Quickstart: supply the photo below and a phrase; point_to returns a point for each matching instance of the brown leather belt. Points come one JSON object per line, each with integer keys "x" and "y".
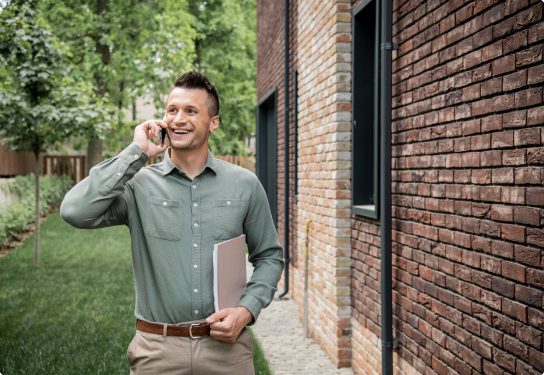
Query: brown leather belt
{"x": 193, "y": 331}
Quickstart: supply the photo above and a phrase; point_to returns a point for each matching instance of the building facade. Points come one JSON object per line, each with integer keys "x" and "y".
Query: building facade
{"x": 467, "y": 190}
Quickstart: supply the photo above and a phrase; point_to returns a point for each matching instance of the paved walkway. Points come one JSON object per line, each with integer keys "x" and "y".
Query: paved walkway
{"x": 281, "y": 335}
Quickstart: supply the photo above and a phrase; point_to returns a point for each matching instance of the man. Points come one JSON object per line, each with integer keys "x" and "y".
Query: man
{"x": 176, "y": 211}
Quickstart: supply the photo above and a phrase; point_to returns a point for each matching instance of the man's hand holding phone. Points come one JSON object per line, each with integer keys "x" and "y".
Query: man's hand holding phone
{"x": 144, "y": 133}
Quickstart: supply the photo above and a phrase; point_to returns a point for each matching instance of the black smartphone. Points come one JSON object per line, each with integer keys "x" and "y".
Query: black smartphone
{"x": 162, "y": 134}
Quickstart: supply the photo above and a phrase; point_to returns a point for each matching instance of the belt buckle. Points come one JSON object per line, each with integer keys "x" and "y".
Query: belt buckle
{"x": 191, "y": 330}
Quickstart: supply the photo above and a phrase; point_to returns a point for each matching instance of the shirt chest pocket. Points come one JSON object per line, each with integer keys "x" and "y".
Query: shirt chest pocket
{"x": 228, "y": 218}
{"x": 163, "y": 219}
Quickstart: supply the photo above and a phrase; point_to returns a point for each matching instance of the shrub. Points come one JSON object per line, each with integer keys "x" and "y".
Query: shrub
{"x": 15, "y": 217}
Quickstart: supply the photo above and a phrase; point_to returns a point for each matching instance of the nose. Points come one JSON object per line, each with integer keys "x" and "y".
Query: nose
{"x": 181, "y": 118}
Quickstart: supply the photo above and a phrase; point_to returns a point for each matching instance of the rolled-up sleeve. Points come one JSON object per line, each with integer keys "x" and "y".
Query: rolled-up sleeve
{"x": 265, "y": 253}
{"x": 100, "y": 200}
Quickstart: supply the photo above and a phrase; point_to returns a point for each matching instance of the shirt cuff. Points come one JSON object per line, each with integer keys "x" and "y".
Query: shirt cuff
{"x": 134, "y": 154}
{"x": 253, "y": 305}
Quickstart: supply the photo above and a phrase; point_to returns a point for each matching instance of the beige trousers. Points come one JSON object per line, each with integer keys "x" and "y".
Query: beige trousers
{"x": 151, "y": 354}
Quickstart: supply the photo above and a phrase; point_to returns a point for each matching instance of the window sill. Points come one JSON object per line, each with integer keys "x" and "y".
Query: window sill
{"x": 368, "y": 210}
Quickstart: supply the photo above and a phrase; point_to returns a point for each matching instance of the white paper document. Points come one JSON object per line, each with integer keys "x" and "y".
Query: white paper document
{"x": 229, "y": 272}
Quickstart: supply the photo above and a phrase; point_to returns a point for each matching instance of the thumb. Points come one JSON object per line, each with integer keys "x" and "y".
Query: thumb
{"x": 221, "y": 314}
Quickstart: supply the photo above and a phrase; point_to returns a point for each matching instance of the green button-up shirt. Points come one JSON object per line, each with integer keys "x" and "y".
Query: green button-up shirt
{"x": 174, "y": 224}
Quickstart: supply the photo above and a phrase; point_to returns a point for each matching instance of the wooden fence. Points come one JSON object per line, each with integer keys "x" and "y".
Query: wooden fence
{"x": 74, "y": 167}
{"x": 15, "y": 163}
{"x": 247, "y": 162}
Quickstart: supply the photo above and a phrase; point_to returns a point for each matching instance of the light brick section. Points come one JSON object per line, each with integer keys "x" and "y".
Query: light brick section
{"x": 324, "y": 56}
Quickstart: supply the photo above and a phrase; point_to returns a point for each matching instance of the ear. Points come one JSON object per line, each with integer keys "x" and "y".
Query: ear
{"x": 214, "y": 123}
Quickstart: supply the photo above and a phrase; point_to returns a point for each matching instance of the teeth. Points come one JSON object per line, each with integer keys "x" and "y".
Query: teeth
{"x": 181, "y": 131}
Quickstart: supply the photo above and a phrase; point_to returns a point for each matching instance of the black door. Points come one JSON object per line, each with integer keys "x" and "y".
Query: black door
{"x": 267, "y": 145}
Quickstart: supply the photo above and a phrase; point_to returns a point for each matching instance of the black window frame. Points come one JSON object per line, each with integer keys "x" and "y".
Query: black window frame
{"x": 370, "y": 209}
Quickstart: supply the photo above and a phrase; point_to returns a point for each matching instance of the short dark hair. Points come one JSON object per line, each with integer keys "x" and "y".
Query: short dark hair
{"x": 198, "y": 81}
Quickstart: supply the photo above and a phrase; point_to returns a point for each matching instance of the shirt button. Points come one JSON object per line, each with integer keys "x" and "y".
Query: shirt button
{"x": 196, "y": 224}
{"x": 228, "y": 202}
{"x": 195, "y": 266}
{"x": 196, "y": 290}
{"x": 136, "y": 156}
{"x": 194, "y": 186}
{"x": 164, "y": 204}
{"x": 196, "y": 311}
{"x": 195, "y": 245}
{"x": 118, "y": 174}
{"x": 194, "y": 204}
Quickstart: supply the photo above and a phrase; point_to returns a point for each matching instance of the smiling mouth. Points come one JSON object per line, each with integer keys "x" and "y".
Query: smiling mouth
{"x": 180, "y": 132}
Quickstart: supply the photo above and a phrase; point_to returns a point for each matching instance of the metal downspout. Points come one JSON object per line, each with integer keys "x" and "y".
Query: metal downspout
{"x": 286, "y": 153}
{"x": 385, "y": 194}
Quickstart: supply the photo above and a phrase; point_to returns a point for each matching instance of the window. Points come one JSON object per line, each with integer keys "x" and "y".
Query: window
{"x": 267, "y": 145}
{"x": 365, "y": 88}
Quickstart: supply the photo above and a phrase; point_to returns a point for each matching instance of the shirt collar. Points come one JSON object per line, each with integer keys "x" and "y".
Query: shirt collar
{"x": 169, "y": 166}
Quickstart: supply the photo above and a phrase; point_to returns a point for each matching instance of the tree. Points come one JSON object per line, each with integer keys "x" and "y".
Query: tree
{"x": 40, "y": 103}
{"x": 123, "y": 48}
{"x": 225, "y": 50}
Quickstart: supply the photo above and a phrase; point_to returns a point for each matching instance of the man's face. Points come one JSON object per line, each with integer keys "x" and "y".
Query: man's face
{"x": 189, "y": 124}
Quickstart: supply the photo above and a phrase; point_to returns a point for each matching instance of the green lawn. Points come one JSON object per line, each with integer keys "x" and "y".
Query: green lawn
{"x": 75, "y": 316}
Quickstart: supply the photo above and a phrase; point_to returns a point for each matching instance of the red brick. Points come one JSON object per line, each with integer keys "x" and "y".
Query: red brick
{"x": 536, "y": 318}
{"x": 535, "y": 116}
{"x": 515, "y": 42}
{"x": 514, "y": 119}
{"x": 503, "y": 249}
{"x": 471, "y": 93}
{"x": 535, "y": 196}
{"x": 536, "y": 75}
{"x": 504, "y": 65}
{"x": 513, "y": 271}
{"x": 536, "y": 359}
{"x": 502, "y": 139}
{"x": 529, "y": 16}
{"x": 515, "y": 80}
{"x": 481, "y": 5}
{"x": 512, "y": 6}
{"x": 482, "y": 107}
{"x": 503, "y": 103}
{"x": 535, "y": 277}
{"x": 529, "y": 296}
{"x": 536, "y": 33}
{"x": 514, "y": 157}
{"x": 535, "y": 237}
{"x": 492, "y": 51}
{"x": 514, "y": 310}
{"x": 524, "y": 176}
{"x": 491, "y": 158}
{"x": 513, "y": 232}
{"x": 501, "y": 213}
{"x": 493, "y": 15}
{"x": 472, "y": 359}
{"x": 504, "y": 28}
{"x": 527, "y": 255}
{"x": 491, "y": 123}
{"x": 528, "y": 97}
{"x": 504, "y": 360}
{"x": 526, "y": 215}
{"x": 525, "y": 137}
{"x": 464, "y": 13}
{"x": 516, "y": 347}
{"x": 472, "y": 59}
{"x": 513, "y": 195}
{"x": 529, "y": 56}
{"x": 491, "y": 264}
{"x": 492, "y": 86}
{"x": 535, "y": 156}
{"x": 491, "y": 369}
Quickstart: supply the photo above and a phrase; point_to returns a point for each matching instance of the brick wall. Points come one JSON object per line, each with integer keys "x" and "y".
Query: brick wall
{"x": 324, "y": 39}
{"x": 467, "y": 194}
{"x": 270, "y": 74}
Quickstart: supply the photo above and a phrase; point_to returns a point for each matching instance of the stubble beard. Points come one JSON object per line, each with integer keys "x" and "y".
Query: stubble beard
{"x": 198, "y": 141}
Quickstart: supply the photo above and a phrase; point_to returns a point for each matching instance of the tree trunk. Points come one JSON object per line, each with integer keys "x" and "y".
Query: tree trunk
{"x": 94, "y": 152}
{"x": 37, "y": 215}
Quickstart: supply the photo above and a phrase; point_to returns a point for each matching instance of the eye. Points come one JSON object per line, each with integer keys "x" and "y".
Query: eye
{"x": 191, "y": 111}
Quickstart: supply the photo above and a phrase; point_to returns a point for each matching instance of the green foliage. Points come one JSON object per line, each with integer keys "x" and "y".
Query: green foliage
{"x": 41, "y": 104}
{"x": 16, "y": 217}
{"x": 225, "y": 50}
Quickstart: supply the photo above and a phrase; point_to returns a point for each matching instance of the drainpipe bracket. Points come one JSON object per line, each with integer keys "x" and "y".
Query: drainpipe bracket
{"x": 388, "y": 344}
{"x": 394, "y": 46}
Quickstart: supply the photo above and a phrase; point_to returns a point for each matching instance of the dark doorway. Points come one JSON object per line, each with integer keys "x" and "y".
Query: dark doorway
{"x": 267, "y": 145}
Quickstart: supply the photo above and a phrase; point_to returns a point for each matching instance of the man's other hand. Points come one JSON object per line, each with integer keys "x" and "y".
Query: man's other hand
{"x": 144, "y": 133}
{"x": 234, "y": 320}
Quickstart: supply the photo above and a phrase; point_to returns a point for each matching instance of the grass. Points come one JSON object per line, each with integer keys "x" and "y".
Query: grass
{"x": 75, "y": 316}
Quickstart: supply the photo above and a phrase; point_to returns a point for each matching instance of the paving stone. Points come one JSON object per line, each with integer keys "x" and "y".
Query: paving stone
{"x": 281, "y": 335}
